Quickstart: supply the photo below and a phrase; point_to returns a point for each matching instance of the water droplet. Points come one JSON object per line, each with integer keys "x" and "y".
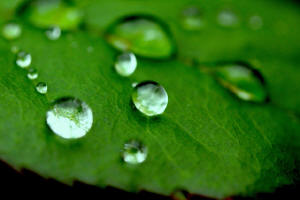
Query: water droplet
{"x": 11, "y": 31}
{"x": 126, "y": 64}
{"x": 228, "y": 18}
{"x": 142, "y": 36}
{"x": 134, "y": 84}
{"x": 255, "y": 22}
{"x": 53, "y": 33}
{"x": 45, "y": 14}
{"x": 243, "y": 81}
{"x": 191, "y": 19}
{"x": 15, "y": 49}
{"x": 42, "y": 88}
{"x": 23, "y": 59}
{"x": 90, "y": 49}
{"x": 32, "y": 74}
{"x": 134, "y": 152}
{"x": 150, "y": 98}
{"x": 70, "y": 118}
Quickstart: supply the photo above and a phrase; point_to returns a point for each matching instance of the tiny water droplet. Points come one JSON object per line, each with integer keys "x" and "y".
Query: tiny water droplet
{"x": 191, "y": 19}
{"x": 41, "y": 88}
{"x": 126, "y": 64}
{"x": 70, "y": 118}
{"x": 134, "y": 84}
{"x": 142, "y": 36}
{"x": 90, "y": 49}
{"x": 243, "y": 81}
{"x": 15, "y": 49}
{"x": 53, "y": 33}
{"x": 23, "y": 59}
{"x": 228, "y": 18}
{"x": 255, "y": 22}
{"x": 45, "y": 14}
{"x": 11, "y": 31}
{"x": 32, "y": 74}
{"x": 134, "y": 152}
{"x": 150, "y": 98}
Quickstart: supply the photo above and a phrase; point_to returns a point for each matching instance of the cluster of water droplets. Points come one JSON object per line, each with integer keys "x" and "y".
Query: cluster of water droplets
{"x": 71, "y": 118}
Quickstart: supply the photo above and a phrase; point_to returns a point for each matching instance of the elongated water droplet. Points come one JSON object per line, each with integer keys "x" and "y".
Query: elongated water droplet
{"x": 11, "y": 31}
{"x": 45, "y": 14}
{"x": 150, "y": 98}
{"x": 142, "y": 36}
{"x": 134, "y": 152}
{"x": 23, "y": 59}
{"x": 244, "y": 82}
{"x": 126, "y": 64}
{"x": 53, "y": 33}
{"x": 41, "y": 88}
{"x": 255, "y": 22}
{"x": 228, "y": 18}
{"x": 32, "y": 74}
{"x": 70, "y": 118}
{"x": 191, "y": 19}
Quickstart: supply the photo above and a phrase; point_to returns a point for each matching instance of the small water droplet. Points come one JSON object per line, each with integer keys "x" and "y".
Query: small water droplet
{"x": 32, "y": 74}
{"x": 191, "y": 19}
{"x": 70, "y": 118}
{"x": 53, "y": 33}
{"x": 134, "y": 84}
{"x": 228, "y": 18}
{"x": 150, "y": 98}
{"x": 42, "y": 88}
{"x": 11, "y": 31}
{"x": 134, "y": 152}
{"x": 243, "y": 81}
{"x": 255, "y": 22}
{"x": 15, "y": 49}
{"x": 126, "y": 64}
{"x": 142, "y": 36}
{"x": 90, "y": 49}
{"x": 23, "y": 59}
{"x": 45, "y": 14}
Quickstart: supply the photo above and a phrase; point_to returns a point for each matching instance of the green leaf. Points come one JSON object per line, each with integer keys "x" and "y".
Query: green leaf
{"x": 207, "y": 141}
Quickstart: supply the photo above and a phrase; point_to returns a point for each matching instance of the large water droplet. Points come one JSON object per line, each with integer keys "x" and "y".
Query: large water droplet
{"x": 45, "y": 14}
{"x": 11, "y": 31}
{"x": 32, "y": 74}
{"x": 126, "y": 64}
{"x": 191, "y": 19}
{"x": 70, "y": 118}
{"x": 228, "y": 18}
{"x": 150, "y": 98}
{"x": 23, "y": 59}
{"x": 243, "y": 81}
{"x": 134, "y": 152}
{"x": 142, "y": 36}
{"x": 41, "y": 88}
{"x": 255, "y": 22}
{"x": 53, "y": 33}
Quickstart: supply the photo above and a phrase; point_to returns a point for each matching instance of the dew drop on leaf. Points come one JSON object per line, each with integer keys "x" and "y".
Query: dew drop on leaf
{"x": 150, "y": 98}
{"x": 255, "y": 22}
{"x": 142, "y": 36}
{"x": 191, "y": 19}
{"x": 32, "y": 74}
{"x": 126, "y": 64}
{"x": 228, "y": 18}
{"x": 134, "y": 152}
{"x": 242, "y": 81}
{"x": 11, "y": 31}
{"x": 70, "y": 118}
{"x": 59, "y": 13}
{"x": 23, "y": 59}
{"x": 53, "y": 33}
{"x": 41, "y": 88}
